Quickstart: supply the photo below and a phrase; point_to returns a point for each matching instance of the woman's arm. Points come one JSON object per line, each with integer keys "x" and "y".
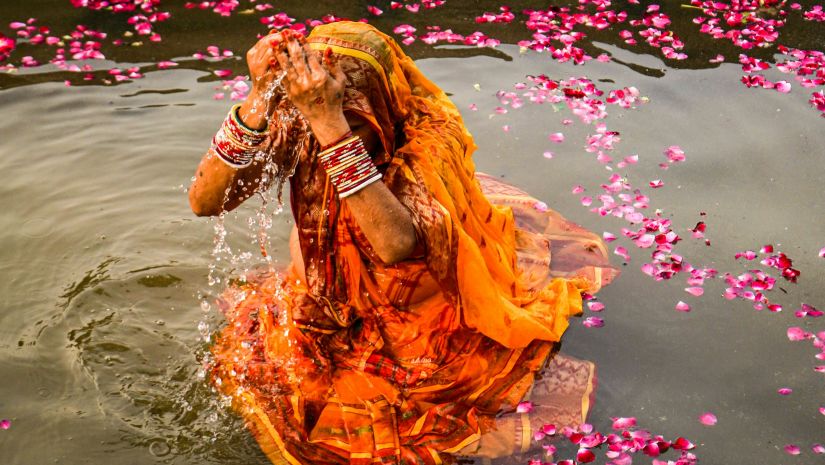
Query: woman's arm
{"x": 219, "y": 187}
{"x": 318, "y": 94}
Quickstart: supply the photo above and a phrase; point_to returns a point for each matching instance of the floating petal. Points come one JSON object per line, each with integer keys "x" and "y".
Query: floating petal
{"x": 524, "y": 407}
{"x": 695, "y": 290}
{"x": 707, "y": 419}
{"x": 624, "y": 422}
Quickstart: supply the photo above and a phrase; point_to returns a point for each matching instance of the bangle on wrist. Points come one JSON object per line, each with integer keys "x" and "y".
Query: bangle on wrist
{"x": 234, "y": 143}
{"x": 236, "y": 113}
{"x": 349, "y": 166}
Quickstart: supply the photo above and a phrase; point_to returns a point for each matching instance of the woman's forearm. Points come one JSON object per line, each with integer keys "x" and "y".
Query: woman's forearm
{"x": 219, "y": 187}
{"x": 385, "y": 222}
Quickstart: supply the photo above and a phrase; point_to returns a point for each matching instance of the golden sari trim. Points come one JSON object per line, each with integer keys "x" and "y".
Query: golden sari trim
{"x": 588, "y": 392}
{"x": 270, "y": 428}
{"x": 353, "y": 53}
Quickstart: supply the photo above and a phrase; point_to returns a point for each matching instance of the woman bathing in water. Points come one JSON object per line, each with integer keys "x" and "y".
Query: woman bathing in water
{"x": 424, "y": 301}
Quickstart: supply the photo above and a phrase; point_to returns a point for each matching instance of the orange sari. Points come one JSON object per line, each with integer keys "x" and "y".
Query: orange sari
{"x": 425, "y": 360}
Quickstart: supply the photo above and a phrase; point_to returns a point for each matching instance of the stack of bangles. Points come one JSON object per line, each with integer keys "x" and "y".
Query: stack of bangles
{"x": 236, "y": 144}
{"x": 349, "y": 165}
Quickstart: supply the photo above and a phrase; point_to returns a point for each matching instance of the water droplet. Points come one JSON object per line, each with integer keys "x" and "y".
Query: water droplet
{"x": 159, "y": 448}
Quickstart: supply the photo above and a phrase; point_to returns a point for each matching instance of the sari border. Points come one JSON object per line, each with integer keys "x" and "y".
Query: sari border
{"x": 342, "y": 49}
{"x": 588, "y": 392}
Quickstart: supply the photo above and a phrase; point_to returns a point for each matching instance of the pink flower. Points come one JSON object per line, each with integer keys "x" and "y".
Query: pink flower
{"x": 624, "y": 422}
{"x": 595, "y": 306}
{"x": 707, "y": 419}
{"x": 796, "y": 333}
{"x": 695, "y": 291}
{"x": 675, "y": 154}
{"x": 585, "y": 456}
{"x": 524, "y": 407}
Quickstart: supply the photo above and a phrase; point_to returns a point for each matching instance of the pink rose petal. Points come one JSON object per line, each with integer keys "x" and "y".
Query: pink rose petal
{"x": 707, "y": 419}
{"x": 822, "y": 252}
{"x": 792, "y": 449}
{"x": 784, "y": 391}
{"x": 595, "y": 306}
{"x": 795, "y": 333}
{"x": 682, "y": 444}
{"x": 622, "y": 252}
{"x": 695, "y": 290}
{"x": 5, "y": 424}
{"x": 818, "y": 449}
{"x": 682, "y": 307}
{"x": 524, "y": 407}
{"x": 593, "y": 322}
{"x": 222, "y": 73}
{"x": 585, "y": 456}
{"x": 783, "y": 86}
{"x": 556, "y": 137}
{"x": 624, "y": 422}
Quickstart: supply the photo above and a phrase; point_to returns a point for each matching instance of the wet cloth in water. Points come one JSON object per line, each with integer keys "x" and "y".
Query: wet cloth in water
{"x": 416, "y": 362}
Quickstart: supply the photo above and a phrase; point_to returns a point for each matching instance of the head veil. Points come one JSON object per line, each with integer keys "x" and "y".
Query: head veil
{"x": 470, "y": 243}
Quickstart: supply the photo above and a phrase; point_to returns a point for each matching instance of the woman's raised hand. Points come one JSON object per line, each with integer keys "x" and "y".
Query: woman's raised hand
{"x": 316, "y": 89}
{"x": 263, "y": 69}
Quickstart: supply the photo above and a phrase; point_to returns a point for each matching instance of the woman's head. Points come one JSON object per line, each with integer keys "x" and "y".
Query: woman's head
{"x": 367, "y": 59}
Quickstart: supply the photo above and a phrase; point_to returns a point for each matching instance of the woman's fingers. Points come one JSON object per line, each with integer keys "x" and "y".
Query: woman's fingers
{"x": 334, "y": 66}
{"x": 297, "y": 58}
{"x": 286, "y": 65}
{"x": 318, "y": 71}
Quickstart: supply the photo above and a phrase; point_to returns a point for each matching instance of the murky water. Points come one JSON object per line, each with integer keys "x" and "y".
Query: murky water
{"x": 104, "y": 268}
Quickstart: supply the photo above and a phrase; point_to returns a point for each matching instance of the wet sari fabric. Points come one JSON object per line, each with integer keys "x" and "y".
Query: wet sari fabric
{"x": 420, "y": 361}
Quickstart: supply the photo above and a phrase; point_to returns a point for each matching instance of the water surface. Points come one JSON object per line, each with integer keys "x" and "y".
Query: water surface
{"x": 104, "y": 267}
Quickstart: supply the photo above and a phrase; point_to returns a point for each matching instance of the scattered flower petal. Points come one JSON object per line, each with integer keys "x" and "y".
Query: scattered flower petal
{"x": 707, "y": 419}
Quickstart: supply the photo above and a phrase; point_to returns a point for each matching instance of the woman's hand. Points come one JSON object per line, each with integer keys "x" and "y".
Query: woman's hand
{"x": 263, "y": 69}
{"x": 316, "y": 90}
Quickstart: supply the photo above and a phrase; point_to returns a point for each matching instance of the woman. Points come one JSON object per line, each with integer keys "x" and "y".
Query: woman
{"x": 420, "y": 307}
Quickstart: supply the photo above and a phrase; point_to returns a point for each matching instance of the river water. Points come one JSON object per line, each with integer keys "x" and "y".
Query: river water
{"x": 104, "y": 268}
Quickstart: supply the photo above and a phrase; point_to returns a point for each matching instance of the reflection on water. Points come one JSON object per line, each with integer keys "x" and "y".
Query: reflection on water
{"x": 105, "y": 296}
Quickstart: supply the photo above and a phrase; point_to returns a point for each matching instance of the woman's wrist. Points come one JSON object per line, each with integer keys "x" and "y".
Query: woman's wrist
{"x": 253, "y": 113}
{"x": 328, "y": 130}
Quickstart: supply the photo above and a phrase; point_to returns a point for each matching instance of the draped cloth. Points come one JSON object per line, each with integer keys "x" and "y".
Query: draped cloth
{"x": 424, "y": 360}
